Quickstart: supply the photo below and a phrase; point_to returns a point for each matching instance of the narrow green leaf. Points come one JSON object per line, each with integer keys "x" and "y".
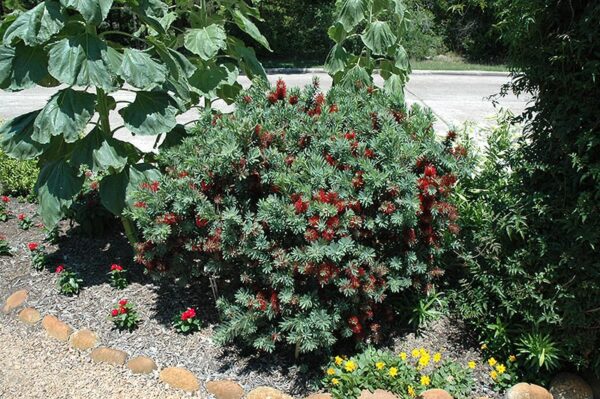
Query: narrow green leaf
{"x": 15, "y": 137}
{"x": 37, "y": 25}
{"x": 93, "y": 11}
{"x": 245, "y": 24}
{"x": 378, "y": 37}
{"x": 206, "y": 42}
{"x": 68, "y": 113}
{"x": 150, "y": 114}
{"x": 141, "y": 71}
{"x": 57, "y": 185}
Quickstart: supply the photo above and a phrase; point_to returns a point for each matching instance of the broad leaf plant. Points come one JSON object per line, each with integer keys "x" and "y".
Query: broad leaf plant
{"x": 183, "y": 58}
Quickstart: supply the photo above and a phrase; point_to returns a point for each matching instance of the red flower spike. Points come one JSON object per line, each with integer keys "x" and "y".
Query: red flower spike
{"x": 247, "y": 99}
{"x": 281, "y": 90}
{"x": 201, "y": 222}
{"x": 350, "y": 136}
{"x": 311, "y": 235}
{"x": 333, "y": 108}
{"x": 430, "y": 171}
{"x": 293, "y": 100}
{"x": 140, "y": 204}
{"x": 369, "y": 153}
{"x": 301, "y": 206}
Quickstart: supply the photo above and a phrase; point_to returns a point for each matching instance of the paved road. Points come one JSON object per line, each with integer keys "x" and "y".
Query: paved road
{"x": 454, "y": 99}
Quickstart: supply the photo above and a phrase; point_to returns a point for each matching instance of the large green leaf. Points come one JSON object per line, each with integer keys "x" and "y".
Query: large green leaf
{"x": 150, "y": 114}
{"x": 354, "y": 75}
{"x": 68, "y": 113}
{"x": 81, "y": 61}
{"x": 7, "y": 21}
{"x": 208, "y": 78}
{"x": 99, "y": 153}
{"x": 93, "y": 11}
{"x": 37, "y": 25}
{"x": 245, "y": 24}
{"x": 15, "y": 137}
{"x": 401, "y": 59}
{"x": 378, "y": 37}
{"x": 247, "y": 58}
{"x": 399, "y": 9}
{"x": 352, "y": 13}
{"x": 337, "y": 33}
{"x": 152, "y": 12}
{"x": 206, "y": 42}
{"x": 115, "y": 190}
{"x": 22, "y": 67}
{"x": 394, "y": 86}
{"x": 57, "y": 185}
{"x": 141, "y": 71}
{"x": 336, "y": 60}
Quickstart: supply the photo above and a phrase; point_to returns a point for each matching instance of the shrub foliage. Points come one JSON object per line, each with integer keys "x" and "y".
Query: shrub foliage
{"x": 315, "y": 212}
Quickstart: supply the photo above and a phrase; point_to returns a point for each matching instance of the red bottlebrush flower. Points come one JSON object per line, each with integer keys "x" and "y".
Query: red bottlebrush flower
{"x": 114, "y": 313}
{"x": 451, "y": 136}
{"x": 5, "y": 199}
{"x": 295, "y": 197}
{"x": 272, "y": 98}
{"x": 355, "y": 325}
{"x": 430, "y": 171}
{"x": 333, "y": 222}
{"x": 320, "y": 99}
{"x": 201, "y": 222}
{"x": 123, "y": 302}
{"x": 247, "y": 99}
{"x": 350, "y": 135}
{"x": 448, "y": 180}
{"x": 293, "y": 100}
{"x": 301, "y": 206}
{"x": 340, "y": 206}
{"x": 94, "y": 185}
{"x": 168, "y": 218}
{"x": 216, "y": 118}
{"x": 289, "y": 160}
{"x": 313, "y": 221}
{"x": 140, "y": 204}
{"x": 311, "y": 235}
{"x": 330, "y": 159}
{"x": 355, "y": 206}
{"x": 32, "y": 246}
{"x": 21, "y": 216}
{"x": 154, "y": 186}
{"x": 410, "y": 237}
{"x": 333, "y": 108}
{"x": 423, "y": 184}
{"x": 399, "y": 116}
{"x": 205, "y": 186}
{"x": 281, "y": 90}
{"x": 60, "y": 269}
{"x": 183, "y": 174}
{"x": 357, "y": 181}
{"x": 275, "y": 302}
{"x": 388, "y": 207}
{"x": 369, "y": 153}
{"x": 257, "y": 129}
{"x": 328, "y": 234}
{"x": 116, "y": 267}
{"x": 454, "y": 228}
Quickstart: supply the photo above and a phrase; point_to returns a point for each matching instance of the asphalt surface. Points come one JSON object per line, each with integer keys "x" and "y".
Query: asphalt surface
{"x": 453, "y": 98}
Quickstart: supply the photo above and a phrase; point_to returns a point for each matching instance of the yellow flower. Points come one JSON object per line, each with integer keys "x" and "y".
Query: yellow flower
{"x": 423, "y": 352}
{"x": 512, "y": 358}
{"x": 493, "y": 374}
{"x": 338, "y": 360}
{"x": 425, "y": 380}
{"x": 403, "y": 355}
{"x": 393, "y": 371}
{"x": 335, "y": 381}
{"x": 424, "y": 360}
{"x": 500, "y": 368}
{"x": 472, "y": 364}
{"x": 484, "y": 347}
{"x": 492, "y": 362}
{"x": 437, "y": 357}
{"x": 380, "y": 365}
{"x": 415, "y": 353}
{"x": 411, "y": 391}
{"x": 350, "y": 366}
{"x": 330, "y": 371}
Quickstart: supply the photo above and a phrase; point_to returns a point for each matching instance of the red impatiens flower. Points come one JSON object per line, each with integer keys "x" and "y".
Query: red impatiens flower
{"x": 123, "y": 302}
{"x": 60, "y": 269}
{"x": 116, "y": 267}
{"x": 21, "y": 216}
{"x": 114, "y": 313}
{"x": 190, "y": 313}
{"x": 5, "y": 199}
{"x": 32, "y": 246}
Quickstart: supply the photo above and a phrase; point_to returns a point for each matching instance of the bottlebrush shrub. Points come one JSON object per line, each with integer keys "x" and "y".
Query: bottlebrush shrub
{"x": 38, "y": 256}
{"x": 118, "y": 276}
{"x": 405, "y": 374}
{"x": 124, "y": 316}
{"x": 187, "y": 322}
{"x": 25, "y": 221}
{"x": 4, "y": 213}
{"x": 68, "y": 282}
{"x": 320, "y": 210}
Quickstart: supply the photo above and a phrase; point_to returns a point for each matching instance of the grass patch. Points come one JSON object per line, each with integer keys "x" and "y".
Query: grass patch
{"x": 435, "y": 65}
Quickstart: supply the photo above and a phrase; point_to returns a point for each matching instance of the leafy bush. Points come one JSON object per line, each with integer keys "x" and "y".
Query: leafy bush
{"x": 514, "y": 291}
{"x": 405, "y": 374}
{"x": 314, "y": 212}
{"x": 17, "y": 178}
{"x": 68, "y": 282}
{"x": 124, "y": 316}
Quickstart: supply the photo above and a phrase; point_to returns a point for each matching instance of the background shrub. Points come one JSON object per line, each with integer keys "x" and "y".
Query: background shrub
{"x": 17, "y": 178}
{"x": 315, "y": 213}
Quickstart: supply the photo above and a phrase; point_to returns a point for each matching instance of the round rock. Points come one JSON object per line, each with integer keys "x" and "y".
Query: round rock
{"x": 435, "y": 394}
{"x": 320, "y": 396}
{"x": 225, "y": 389}
{"x": 528, "y": 391}
{"x": 83, "y": 340}
{"x": 56, "y": 328}
{"x": 14, "y": 301}
{"x": 570, "y": 386}
{"x": 108, "y": 355}
{"x": 377, "y": 394}
{"x": 267, "y": 393}
{"x": 180, "y": 378}
{"x": 141, "y": 365}
{"x": 30, "y": 316}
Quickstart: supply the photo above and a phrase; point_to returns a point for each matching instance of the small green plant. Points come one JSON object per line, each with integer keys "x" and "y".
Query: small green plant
{"x": 187, "y": 322}
{"x": 68, "y": 282}
{"x": 118, "y": 276}
{"x": 539, "y": 351}
{"x": 5, "y": 249}
{"x": 25, "y": 221}
{"x": 405, "y": 374}
{"x": 428, "y": 309}
{"x": 38, "y": 256}
{"x": 503, "y": 375}
{"x": 5, "y": 214}
{"x": 124, "y": 316}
